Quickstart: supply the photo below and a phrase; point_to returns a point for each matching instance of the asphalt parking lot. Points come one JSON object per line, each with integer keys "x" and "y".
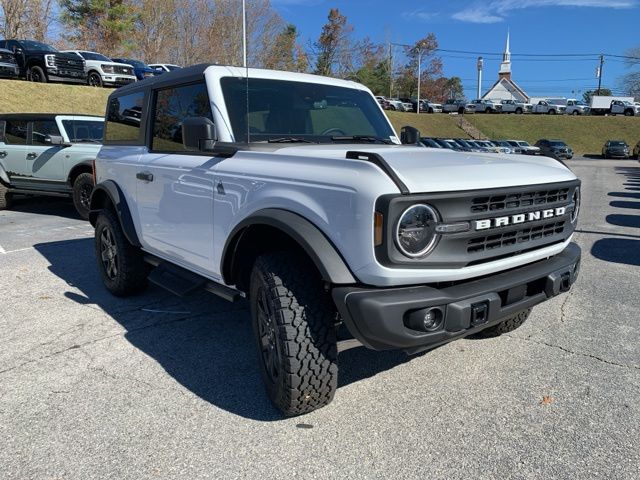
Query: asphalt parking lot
{"x": 92, "y": 386}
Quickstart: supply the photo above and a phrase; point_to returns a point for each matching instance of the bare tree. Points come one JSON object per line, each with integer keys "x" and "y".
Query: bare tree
{"x": 13, "y": 19}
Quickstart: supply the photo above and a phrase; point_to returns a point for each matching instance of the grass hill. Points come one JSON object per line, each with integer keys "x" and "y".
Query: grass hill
{"x": 585, "y": 134}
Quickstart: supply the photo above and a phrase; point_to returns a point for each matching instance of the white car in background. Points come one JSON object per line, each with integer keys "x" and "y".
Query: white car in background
{"x": 520, "y": 146}
{"x": 164, "y": 67}
{"x": 104, "y": 72}
{"x": 576, "y": 107}
{"x": 399, "y": 105}
{"x": 549, "y": 108}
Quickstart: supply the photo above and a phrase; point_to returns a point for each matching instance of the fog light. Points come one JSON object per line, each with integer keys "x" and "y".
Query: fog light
{"x": 425, "y": 320}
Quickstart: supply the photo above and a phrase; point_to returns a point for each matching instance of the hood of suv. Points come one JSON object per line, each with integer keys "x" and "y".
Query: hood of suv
{"x": 441, "y": 170}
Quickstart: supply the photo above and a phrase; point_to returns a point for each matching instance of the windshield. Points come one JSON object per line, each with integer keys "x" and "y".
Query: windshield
{"x": 80, "y": 131}
{"x": 94, "y": 56}
{"x": 297, "y": 111}
{"x": 617, "y": 143}
{"x": 172, "y": 67}
{"x": 33, "y": 45}
{"x": 523, "y": 144}
{"x": 556, "y": 143}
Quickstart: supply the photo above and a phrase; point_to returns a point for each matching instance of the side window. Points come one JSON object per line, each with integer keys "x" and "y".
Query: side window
{"x": 124, "y": 118}
{"x": 172, "y": 106}
{"x": 42, "y": 128}
{"x": 15, "y": 132}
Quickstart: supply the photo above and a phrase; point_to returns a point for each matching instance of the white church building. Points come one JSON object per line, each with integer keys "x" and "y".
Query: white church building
{"x": 505, "y": 88}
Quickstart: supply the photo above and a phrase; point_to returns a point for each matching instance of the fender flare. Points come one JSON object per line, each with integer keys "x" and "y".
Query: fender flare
{"x": 310, "y": 238}
{"x": 83, "y": 164}
{"x": 109, "y": 190}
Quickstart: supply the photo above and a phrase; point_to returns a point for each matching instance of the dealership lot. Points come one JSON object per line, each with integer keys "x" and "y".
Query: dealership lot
{"x": 92, "y": 386}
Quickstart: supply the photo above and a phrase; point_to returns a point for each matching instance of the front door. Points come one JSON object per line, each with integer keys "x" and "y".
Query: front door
{"x": 45, "y": 162}
{"x": 175, "y": 187}
{"x": 13, "y": 152}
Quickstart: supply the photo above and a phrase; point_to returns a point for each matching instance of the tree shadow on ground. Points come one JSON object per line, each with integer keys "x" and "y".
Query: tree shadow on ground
{"x": 203, "y": 342}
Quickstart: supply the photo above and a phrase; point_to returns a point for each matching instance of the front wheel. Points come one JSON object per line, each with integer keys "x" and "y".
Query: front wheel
{"x": 552, "y": 112}
{"x": 518, "y": 111}
{"x": 36, "y": 74}
{"x": 82, "y": 189}
{"x": 121, "y": 265}
{"x": 94, "y": 79}
{"x": 507, "y": 325}
{"x": 295, "y": 333}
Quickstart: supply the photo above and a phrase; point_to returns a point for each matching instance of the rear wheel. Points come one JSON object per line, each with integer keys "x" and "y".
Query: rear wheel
{"x": 294, "y": 328}
{"x": 82, "y": 189}
{"x": 5, "y": 197}
{"x": 552, "y": 112}
{"x": 628, "y": 113}
{"x": 121, "y": 265}
{"x": 518, "y": 111}
{"x": 36, "y": 74}
{"x": 575, "y": 112}
{"x": 507, "y": 325}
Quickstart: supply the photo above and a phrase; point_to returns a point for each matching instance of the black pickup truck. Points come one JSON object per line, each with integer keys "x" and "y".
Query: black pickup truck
{"x": 39, "y": 62}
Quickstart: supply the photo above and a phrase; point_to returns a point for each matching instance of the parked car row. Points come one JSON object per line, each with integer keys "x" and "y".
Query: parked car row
{"x": 481, "y": 146}
{"x": 38, "y": 62}
{"x": 620, "y": 149}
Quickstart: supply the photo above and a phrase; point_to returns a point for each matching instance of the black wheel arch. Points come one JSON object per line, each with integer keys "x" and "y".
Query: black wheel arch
{"x": 270, "y": 229}
{"x": 108, "y": 195}
{"x": 77, "y": 169}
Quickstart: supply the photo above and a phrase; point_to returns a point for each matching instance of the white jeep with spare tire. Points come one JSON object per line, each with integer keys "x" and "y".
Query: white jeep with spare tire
{"x": 294, "y": 191}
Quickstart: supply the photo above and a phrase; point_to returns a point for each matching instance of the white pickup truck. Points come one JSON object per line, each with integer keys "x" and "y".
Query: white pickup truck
{"x": 549, "y": 108}
{"x": 576, "y": 107}
{"x": 607, "y": 105}
{"x": 294, "y": 191}
{"x": 514, "y": 106}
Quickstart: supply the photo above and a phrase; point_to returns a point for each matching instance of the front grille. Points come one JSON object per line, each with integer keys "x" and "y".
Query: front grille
{"x": 7, "y": 58}
{"x": 123, "y": 70}
{"x": 514, "y": 237}
{"x": 511, "y": 201}
{"x": 69, "y": 64}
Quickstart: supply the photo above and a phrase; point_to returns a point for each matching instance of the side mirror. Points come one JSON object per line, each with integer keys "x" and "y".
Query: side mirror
{"x": 198, "y": 133}
{"x": 18, "y": 51}
{"x": 54, "y": 140}
{"x": 409, "y": 135}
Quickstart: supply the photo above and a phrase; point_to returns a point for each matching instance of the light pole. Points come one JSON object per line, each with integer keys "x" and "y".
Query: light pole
{"x": 419, "y": 75}
{"x": 244, "y": 33}
{"x": 480, "y": 65}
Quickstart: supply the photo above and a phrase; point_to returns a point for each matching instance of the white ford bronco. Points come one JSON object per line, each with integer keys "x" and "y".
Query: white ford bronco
{"x": 294, "y": 191}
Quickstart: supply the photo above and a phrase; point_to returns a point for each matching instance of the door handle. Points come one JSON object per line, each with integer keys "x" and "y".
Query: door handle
{"x": 146, "y": 176}
{"x": 31, "y": 156}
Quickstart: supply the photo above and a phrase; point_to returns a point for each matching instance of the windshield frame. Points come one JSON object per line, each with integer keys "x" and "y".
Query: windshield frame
{"x": 372, "y": 126}
{"x": 35, "y": 46}
{"x": 102, "y": 58}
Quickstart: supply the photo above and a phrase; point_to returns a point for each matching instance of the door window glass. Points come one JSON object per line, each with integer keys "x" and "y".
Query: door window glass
{"x": 15, "y": 132}
{"x": 124, "y": 117}
{"x": 42, "y": 128}
{"x": 173, "y": 105}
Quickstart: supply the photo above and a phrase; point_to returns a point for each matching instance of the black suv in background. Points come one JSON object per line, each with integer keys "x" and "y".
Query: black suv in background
{"x": 616, "y": 149}
{"x": 554, "y": 148}
{"x": 39, "y": 62}
{"x": 8, "y": 66}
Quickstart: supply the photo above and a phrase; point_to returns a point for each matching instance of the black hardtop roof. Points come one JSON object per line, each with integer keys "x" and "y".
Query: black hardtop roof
{"x": 192, "y": 73}
{"x": 42, "y": 116}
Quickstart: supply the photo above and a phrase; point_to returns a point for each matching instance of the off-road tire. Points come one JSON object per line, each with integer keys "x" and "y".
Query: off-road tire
{"x": 507, "y": 325}
{"x": 131, "y": 270}
{"x": 36, "y": 74}
{"x": 5, "y": 197}
{"x": 295, "y": 333}
{"x": 82, "y": 188}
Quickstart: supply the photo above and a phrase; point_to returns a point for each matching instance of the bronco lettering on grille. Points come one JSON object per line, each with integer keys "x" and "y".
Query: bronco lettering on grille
{"x": 519, "y": 218}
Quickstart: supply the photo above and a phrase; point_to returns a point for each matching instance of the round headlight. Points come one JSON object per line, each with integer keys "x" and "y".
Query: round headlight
{"x": 416, "y": 231}
{"x": 576, "y": 205}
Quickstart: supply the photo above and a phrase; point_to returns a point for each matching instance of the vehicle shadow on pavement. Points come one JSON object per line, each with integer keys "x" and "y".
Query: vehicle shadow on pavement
{"x": 201, "y": 341}
{"x": 52, "y": 206}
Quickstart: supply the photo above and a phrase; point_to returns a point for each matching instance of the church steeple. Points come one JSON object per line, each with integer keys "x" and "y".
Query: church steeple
{"x": 505, "y": 66}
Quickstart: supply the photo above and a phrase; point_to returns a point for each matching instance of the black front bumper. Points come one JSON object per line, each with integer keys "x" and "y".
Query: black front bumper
{"x": 377, "y": 317}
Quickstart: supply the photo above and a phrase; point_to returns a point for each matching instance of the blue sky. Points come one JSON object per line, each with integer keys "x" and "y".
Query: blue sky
{"x": 537, "y": 27}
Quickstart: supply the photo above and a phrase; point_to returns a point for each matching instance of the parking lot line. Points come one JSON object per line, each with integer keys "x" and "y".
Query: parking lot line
{"x": 2, "y": 250}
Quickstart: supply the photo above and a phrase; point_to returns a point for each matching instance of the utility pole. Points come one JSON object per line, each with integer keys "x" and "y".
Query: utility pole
{"x": 600, "y": 73}
{"x": 480, "y": 65}
{"x": 244, "y": 34}
{"x": 419, "y": 77}
{"x": 390, "y": 70}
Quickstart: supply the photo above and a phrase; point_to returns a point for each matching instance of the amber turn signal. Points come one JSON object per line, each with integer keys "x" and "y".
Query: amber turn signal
{"x": 377, "y": 229}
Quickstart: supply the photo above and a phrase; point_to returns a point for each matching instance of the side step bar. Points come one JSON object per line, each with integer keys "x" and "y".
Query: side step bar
{"x": 181, "y": 282}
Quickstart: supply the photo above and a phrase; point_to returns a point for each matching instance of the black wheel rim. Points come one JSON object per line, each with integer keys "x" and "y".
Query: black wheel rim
{"x": 94, "y": 81}
{"x": 35, "y": 76}
{"x": 267, "y": 337}
{"x": 85, "y": 196}
{"x": 109, "y": 253}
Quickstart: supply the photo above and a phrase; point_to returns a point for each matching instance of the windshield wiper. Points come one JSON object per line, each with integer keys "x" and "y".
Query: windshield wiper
{"x": 361, "y": 138}
{"x": 290, "y": 140}
{"x": 82, "y": 140}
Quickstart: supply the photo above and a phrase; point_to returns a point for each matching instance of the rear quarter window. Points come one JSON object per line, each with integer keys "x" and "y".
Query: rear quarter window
{"x": 124, "y": 119}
